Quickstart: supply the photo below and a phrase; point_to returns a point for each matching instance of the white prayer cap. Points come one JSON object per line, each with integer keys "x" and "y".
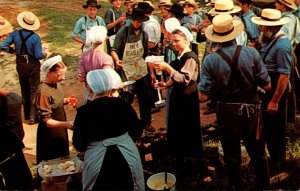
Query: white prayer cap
{"x": 103, "y": 80}
{"x": 98, "y": 34}
{"x": 48, "y": 64}
{"x": 186, "y": 32}
{"x": 171, "y": 24}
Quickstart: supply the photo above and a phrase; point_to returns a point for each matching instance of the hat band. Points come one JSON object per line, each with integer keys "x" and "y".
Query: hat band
{"x": 28, "y": 23}
{"x": 223, "y": 33}
{"x": 226, "y": 10}
{"x": 269, "y": 19}
{"x": 286, "y": 2}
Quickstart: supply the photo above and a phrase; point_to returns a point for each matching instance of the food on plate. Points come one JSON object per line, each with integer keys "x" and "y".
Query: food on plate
{"x": 47, "y": 169}
{"x": 71, "y": 169}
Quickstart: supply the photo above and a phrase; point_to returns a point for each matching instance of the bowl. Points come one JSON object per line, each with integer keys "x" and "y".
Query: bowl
{"x": 129, "y": 85}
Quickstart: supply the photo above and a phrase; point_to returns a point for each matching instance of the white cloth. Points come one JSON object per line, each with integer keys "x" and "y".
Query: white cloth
{"x": 103, "y": 80}
{"x": 152, "y": 28}
{"x": 48, "y": 64}
{"x": 94, "y": 156}
{"x": 97, "y": 34}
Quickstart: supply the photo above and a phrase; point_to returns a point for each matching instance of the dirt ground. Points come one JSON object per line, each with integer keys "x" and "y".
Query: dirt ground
{"x": 9, "y": 10}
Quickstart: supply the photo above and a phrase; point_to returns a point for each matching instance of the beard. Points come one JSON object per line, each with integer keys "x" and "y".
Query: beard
{"x": 265, "y": 37}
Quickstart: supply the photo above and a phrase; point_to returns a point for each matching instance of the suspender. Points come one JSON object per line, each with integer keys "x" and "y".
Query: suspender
{"x": 114, "y": 18}
{"x": 24, "y": 46}
{"x": 233, "y": 65}
{"x": 271, "y": 45}
{"x": 86, "y": 23}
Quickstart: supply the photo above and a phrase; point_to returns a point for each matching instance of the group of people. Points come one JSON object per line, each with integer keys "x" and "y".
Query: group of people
{"x": 243, "y": 55}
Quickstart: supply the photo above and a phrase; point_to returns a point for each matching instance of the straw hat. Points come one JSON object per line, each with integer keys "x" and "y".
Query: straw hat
{"x": 165, "y": 3}
{"x": 211, "y": 3}
{"x": 28, "y": 20}
{"x": 91, "y": 3}
{"x": 191, "y": 2}
{"x": 270, "y": 17}
{"x": 128, "y": 1}
{"x": 289, "y": 3}
{"x": 224, "y": 28}
{"x": 224, "y": 7}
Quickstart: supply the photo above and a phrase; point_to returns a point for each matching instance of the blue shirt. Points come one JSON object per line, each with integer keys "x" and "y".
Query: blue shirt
{"x": 251, "y": 28}
{"x": 215, "y": 72}
{"x": 34, "y": 45}
{"x": 111, "y": 15}
{"x": 80, "y": 27}
{"x": 279, "y": 57}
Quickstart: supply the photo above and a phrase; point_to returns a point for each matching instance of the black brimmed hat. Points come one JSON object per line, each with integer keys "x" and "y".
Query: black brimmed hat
{"x": 146, "y": 7}
{"x": 138, "y": 15}
{"x": 177, "y": 10}
{"x": 91, "y": 3}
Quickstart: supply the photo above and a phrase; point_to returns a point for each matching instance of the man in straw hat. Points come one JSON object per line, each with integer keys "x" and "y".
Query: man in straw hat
{"x": 228, "y": 7}
{"x": 14, "y": 171}
{"x": 233, "y": 74}
{"x": 292, "y": 30}
{"x": 129, "y": 51}
{"x": 28, "y": 50}
{"x": 80, "y": 31}
{"x": 276, "y": 54}
{"x": 163, "y": 6}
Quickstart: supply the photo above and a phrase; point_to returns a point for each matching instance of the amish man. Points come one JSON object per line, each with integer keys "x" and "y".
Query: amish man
{"x": 28, "y": 49}
{"x": 276, "y": 54}
{"x": 233, "y": 73}
{"x": 84, "y": 24}
{"x": 129, "y": 51}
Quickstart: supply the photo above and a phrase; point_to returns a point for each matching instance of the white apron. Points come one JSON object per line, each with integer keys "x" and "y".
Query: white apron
{"x": 135, "y": 66}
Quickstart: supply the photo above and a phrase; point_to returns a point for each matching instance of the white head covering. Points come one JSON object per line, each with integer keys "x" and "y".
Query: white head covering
{"x": 171, "y": 24}
{"x": 98, "y": 34}
{"x": 103, "y": 80}
{"x": 186, "y": 32}
{"x": 48, "y": 64}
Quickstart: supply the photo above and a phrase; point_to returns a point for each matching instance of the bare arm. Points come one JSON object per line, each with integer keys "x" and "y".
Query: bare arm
{"x": 281, "y": 86}
{"x": 77, "y": 39}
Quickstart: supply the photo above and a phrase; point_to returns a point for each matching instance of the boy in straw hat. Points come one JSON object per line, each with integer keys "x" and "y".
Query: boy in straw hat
{"x": 80, "y": 31}
{"x": 28, "y": 50}
{"x": 15, "y": 173}
{"x": 276, "y": 54}
{"x": 228, "y": 74}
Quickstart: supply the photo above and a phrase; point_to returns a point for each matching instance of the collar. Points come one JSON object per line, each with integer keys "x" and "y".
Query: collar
{"x": 187, "y": 49}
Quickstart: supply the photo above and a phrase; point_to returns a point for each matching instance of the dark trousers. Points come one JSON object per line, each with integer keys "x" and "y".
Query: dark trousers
{"x": 234, "y": 124}
{"x": 275, "y": 124}
{"x": 144, "y": 99}
{"x": 29, "y": 78}
{"x": 16, "y": 173}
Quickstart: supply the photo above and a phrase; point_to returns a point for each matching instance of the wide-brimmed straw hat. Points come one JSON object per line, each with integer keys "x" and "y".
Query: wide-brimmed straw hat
{"x": 224, "y": 7}
{"x": 165, "y": 3}
{"x": 224, "y": 28}
{"x": 138, "y": 15}
{"x": 28, "y": 20}
{"x": 211, "y": 3}
{"x": 191, "y": 2}
{"x": 270, "y": 17}
{"x": 91, "y": 3}
{"x": 289, "y": 3}
{"x": 177, "y": 10}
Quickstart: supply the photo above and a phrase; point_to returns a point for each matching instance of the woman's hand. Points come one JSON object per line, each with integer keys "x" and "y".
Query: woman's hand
{"x": 70, "y": 125}
{"x": 160, "y": 85}
{"x": 119, "y": 64}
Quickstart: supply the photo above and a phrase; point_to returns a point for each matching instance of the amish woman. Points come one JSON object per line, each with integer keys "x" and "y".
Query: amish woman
{"x": 184, "y": 133}
{"x": 52, "y": 136}
{"x": 101, "y": 130}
